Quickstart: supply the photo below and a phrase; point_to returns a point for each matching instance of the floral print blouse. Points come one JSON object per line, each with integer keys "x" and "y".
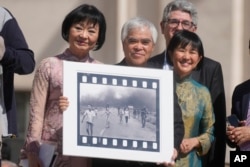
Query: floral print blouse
{"x": 45, "y": 122}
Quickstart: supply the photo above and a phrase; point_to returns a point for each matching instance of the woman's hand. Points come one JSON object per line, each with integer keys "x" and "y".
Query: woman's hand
{"x": 189, "y": 144}
{"x": 63, "y": 103}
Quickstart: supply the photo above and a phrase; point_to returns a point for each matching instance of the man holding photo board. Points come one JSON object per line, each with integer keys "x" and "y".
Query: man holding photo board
{"x": 139, "y": 37}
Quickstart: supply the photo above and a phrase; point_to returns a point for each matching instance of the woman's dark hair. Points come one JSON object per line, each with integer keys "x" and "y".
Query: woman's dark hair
{"x": 87, "y": 13}
{"x": 182, "y": 39}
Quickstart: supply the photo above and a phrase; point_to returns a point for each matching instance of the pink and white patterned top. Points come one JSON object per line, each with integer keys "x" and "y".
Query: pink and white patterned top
{"x": 45, "y": 124}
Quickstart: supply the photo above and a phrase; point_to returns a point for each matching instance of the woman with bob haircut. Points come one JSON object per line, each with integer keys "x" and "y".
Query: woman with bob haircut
{"x": 84, "y": 29}
{"x": 186, "y": 53}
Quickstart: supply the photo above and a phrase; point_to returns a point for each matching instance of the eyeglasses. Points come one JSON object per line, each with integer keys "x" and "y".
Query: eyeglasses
{"x": 173, "y": 23}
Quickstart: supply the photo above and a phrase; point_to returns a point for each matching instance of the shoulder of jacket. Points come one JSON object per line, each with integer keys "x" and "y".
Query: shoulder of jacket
{"x": 210, "y": 61}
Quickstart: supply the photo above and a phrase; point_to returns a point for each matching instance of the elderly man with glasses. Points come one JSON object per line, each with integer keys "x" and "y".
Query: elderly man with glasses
{"x": 179, "y": 15}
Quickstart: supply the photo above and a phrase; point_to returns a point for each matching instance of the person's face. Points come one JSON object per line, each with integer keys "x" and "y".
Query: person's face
{"x": 83, "y": 37}
{"x": 185, "y": 60}
{"x": 178, "y": 20}
{"x": 138, "y": 46}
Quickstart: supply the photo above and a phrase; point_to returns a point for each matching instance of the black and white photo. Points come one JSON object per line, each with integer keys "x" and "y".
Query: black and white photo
{"x": 117, "y": 111}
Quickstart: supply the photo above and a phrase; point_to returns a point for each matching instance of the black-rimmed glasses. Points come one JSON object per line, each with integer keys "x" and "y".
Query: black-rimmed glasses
{"x": 173, "y": 23}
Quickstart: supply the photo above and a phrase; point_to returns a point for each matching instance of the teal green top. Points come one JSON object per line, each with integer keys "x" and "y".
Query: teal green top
{"x": 198, "y": 117}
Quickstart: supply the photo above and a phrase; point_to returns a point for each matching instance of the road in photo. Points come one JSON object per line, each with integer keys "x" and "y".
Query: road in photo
{"x": 111, "y": 122}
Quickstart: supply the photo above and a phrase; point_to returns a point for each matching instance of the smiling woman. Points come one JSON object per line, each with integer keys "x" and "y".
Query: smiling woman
{"x": 83, "y": 38}
{"x": 84, "y": 29}
{"x": 186, "y": 52}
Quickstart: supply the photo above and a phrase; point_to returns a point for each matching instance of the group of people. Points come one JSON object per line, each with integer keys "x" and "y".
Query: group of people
{"x": 194, "y": 116}
{"x": 199, "y": 98}
{"x": 124, "y": 112}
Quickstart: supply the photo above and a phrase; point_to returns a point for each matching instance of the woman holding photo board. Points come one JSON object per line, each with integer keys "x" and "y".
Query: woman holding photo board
{"x": 186, "y": 53}
{"x": 84, "y": 29}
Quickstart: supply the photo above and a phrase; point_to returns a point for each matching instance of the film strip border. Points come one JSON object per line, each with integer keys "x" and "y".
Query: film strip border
{"x": 118, "y": 143}
{"x": 118, "y": 80}
{"x": 126, "y": 81}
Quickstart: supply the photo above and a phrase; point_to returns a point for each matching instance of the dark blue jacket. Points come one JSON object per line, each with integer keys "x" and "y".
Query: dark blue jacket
{"x": 18, "y": 58}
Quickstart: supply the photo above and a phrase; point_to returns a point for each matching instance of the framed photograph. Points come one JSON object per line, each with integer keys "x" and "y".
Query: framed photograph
{"x": 118, "y": 112}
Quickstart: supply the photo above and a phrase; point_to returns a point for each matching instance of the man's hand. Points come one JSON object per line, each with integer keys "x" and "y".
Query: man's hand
{"x": 240, "y": 135}
{"x": 173, "y": 158}
{"x": 230, "y": 134}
